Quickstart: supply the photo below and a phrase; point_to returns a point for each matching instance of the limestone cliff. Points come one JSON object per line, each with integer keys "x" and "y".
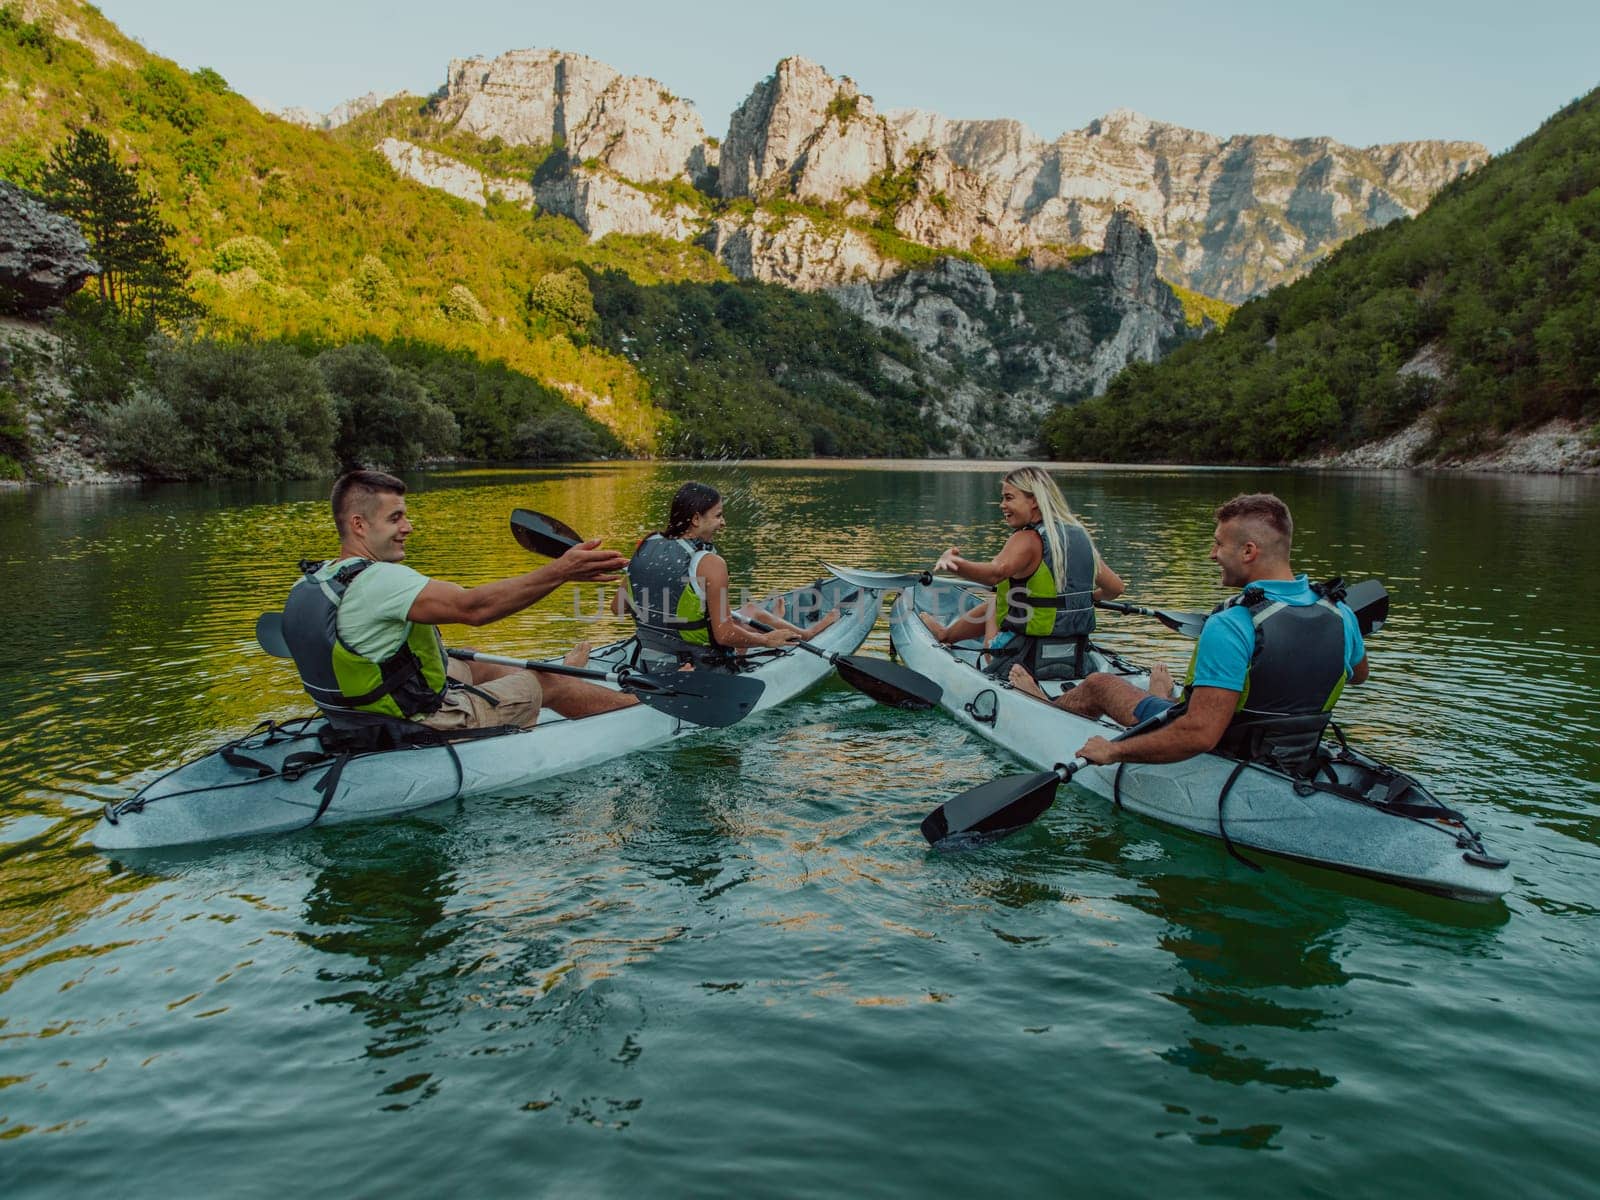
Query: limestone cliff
{"x": 1231, "y": 216}
{"x": 813, "y": 188}
{"x": 632, "y": 126}
{"x": 1014, "y": 344}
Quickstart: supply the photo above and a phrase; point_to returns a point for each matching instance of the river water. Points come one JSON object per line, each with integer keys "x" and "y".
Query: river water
{"x": 731, "y": 966}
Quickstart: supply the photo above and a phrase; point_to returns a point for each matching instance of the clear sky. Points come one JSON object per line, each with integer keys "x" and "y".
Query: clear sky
{"x": 1361, "y": 71}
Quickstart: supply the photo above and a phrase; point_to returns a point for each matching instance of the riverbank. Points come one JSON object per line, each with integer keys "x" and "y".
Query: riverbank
{"x": 31, "y": 358}
{"x": 1559, "y": 447}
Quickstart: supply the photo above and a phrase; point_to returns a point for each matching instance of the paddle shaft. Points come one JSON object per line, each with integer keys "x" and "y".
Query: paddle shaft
{"x": 763, "y": 627}
{"x": 525, "y": 664}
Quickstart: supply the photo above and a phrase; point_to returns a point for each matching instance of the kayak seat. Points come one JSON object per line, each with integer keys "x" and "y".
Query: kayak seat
{"x": 1290, "y": 743}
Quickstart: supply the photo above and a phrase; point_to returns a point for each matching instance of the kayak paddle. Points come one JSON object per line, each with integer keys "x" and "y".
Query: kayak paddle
{"x": 1002, "y": 805}
{"x": 886, "y": 682}
{"x": 1368, "y": 600}
{"x": 897, "y": 581}
{"x": 712, "y": 698}
{"x": 541, "y": 534}
{"x": 1186, "y": 623}
{"x": 269, "y": 632}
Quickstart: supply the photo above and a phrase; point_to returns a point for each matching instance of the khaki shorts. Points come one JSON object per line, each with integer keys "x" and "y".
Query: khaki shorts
{"x": 519, "y": 696}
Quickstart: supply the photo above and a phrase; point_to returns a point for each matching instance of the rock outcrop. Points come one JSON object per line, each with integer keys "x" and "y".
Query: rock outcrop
{"x": 804, "y": 135}
{"x": 435, "y": 170}
{"x": 602, "y": 204}
{"x": 339, "y": 114}
{"x": 43, "y": 255}
{"x": 632, "y": 126}
{"x": 1012, "y": 350}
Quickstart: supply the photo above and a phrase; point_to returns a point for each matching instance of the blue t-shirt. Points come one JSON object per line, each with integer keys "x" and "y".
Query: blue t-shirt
{"x": 1227, "y": 641}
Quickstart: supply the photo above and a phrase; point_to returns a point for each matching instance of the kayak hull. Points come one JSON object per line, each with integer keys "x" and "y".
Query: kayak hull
{"x": 210, "y": 798}
{"x": 1261, "y": 810}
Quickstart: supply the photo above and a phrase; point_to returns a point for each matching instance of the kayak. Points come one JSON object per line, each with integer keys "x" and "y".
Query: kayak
{"x": 1357, "y": 814}
{"x": 257, "y": 784}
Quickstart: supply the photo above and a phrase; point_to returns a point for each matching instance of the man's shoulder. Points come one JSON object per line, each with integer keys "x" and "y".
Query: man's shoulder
{"x": 1297, "y": 591}
{"x": 1233, "y": 623}
{"x": 382, "y": 581}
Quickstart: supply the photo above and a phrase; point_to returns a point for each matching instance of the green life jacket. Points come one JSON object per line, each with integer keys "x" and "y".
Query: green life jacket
{"x": 409, "y": 684}
{"x": 1296, "y": 676}
{"x": 1051, "y": 602}
{"x": 667, "y": 596}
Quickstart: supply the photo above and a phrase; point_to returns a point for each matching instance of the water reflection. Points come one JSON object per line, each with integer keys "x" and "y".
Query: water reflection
{"x": 380, "y": 909}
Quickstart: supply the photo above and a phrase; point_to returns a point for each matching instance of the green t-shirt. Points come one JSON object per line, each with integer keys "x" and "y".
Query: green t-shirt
{"x": 372, "y": 618}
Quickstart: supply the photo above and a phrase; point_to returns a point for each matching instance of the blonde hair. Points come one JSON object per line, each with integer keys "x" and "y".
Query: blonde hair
{"x": 1054, "y": 511}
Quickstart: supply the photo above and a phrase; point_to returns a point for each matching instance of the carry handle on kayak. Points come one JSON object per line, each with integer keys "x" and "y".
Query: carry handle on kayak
{"x": 712, "y": 698}
{"x": 886, "y": 682}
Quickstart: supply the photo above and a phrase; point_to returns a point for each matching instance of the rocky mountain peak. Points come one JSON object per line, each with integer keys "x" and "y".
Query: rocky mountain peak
{"x": 1123, "y": 124}
{"x": 630, "y": 124}
{"x": 801, "y": 131}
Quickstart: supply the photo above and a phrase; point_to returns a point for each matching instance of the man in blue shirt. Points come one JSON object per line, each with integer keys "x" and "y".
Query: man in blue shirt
{"x": 1277, "y": 645}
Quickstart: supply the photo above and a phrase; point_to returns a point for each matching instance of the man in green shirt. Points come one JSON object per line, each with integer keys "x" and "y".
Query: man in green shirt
{"x": 388, "y": 658}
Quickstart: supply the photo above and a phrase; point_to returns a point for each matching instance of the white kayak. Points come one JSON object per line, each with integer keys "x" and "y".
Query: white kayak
{"x": 243, "y": 788}
{"x": 1357, "y": 815}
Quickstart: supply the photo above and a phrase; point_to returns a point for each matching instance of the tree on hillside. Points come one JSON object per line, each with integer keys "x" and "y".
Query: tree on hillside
{"x": 139, "y": 275}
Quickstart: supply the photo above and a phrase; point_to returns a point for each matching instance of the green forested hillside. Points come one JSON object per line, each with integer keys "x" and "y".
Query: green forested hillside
{"x": 1499, "y": 278}
{"x": 293, "y": 234}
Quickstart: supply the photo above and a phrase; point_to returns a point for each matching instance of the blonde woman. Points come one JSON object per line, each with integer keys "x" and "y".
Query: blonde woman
{"x": 1047, "y": 577}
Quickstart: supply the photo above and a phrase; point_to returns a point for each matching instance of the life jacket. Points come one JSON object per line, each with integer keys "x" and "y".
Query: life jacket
{"x": 1296, "y": 676}
{"x": 668, "y": 598}
{"x": 409, "y": 684}
{"x": 1055, "y": 602}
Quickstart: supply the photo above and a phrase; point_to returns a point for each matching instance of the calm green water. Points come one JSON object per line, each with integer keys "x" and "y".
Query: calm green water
{"x": 731, "y": 966}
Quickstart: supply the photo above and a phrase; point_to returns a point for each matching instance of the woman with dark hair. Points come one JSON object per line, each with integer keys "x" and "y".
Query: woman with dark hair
{"x": 678, "y": 587}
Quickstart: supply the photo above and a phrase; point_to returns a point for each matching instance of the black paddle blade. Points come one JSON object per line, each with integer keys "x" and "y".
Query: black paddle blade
{"x": 888, "y": 683}
{"x": 1187, "y": 623}
{"x": 269, "y": 632}
{"x": 541, "y": 534}
{"x": 711, "y": 698}
{"x": 1369, "y": 600}
{"x": 1007, "y": 803}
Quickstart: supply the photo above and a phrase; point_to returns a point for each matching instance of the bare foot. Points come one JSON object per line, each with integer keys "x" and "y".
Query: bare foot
{"x": 777, "y": 607}
{"x": 578, "y": 656}
{"x": 1161, "y": 681}
{"x": 934, "y": 627}
{"x": 1024, "y": 683}
{"x": 822, "y": 624}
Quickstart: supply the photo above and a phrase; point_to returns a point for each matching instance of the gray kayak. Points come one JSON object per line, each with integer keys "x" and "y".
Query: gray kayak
{"x": 1357, "y": 814}
{"x": 276, "y": 778}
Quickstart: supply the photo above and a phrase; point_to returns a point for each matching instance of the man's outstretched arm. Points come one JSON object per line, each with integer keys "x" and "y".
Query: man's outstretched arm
{"x": 442, "y": 603}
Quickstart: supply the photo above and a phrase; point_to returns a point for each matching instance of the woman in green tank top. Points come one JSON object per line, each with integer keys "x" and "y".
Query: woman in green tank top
{"x": 1035, "y": 511}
